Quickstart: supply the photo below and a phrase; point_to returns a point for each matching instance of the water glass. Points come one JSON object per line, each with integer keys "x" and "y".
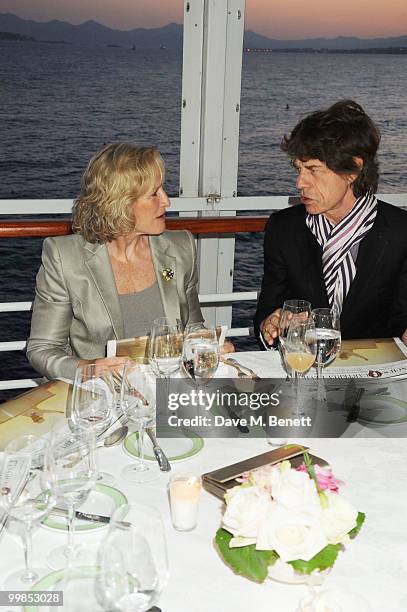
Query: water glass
{"x": 200, "y": 354}
{"x": 94, "y": 405}
{"x": 165, "y": 349}
{"x": 24, "y": 499}
{"x": 132, "y": 560}
{"x": 70, "y": 472}
{"x": 328, "y": 336}
{"x": 138, "y": 401}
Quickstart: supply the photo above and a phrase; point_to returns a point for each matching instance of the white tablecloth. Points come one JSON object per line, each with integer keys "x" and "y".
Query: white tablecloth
{"x": 375, "y": 564}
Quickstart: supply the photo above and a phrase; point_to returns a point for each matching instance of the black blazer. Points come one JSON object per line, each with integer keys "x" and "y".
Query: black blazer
{"x": 376, "y": 304}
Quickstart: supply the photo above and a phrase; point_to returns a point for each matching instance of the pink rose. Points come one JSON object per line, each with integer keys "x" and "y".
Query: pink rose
{"x": 326, "y": 480}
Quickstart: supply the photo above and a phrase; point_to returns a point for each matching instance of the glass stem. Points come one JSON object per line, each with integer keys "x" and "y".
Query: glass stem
{"x": 140, "y": 443}
{"x": 319, "y": 371}
{"x": 71, "y": 528}
{"x": 29, "y": 575}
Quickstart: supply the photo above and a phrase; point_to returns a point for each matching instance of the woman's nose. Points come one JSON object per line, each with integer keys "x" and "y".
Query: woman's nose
{"x": 164, "y": 199}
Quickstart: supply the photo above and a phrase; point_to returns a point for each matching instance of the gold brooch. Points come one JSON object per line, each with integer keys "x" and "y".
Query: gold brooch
{"x": 168, "y": 274}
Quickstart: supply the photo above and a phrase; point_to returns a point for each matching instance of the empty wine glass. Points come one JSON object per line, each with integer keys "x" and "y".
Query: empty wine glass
{"x": 165, "y": 349}
{"x": 300, "y": 351}
{"x": 70, "y": 473}
{"x": 133, "y": 560}
{"x": 94, "y": 406}
{"x": 200, "y": 354}
{"x": 138, "y": 402}
{"x": 23, "y": 499}
{"x": 328, "y": 336}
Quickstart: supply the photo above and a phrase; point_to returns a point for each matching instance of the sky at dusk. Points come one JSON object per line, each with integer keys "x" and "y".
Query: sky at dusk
{"x": 273, "y": 18}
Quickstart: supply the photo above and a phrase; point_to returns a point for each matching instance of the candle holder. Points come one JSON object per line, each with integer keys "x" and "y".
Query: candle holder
{"x": 185, "y": 491}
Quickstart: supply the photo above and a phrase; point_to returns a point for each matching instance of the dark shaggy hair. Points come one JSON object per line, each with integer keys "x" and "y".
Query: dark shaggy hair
{"x": 336, "y": 136}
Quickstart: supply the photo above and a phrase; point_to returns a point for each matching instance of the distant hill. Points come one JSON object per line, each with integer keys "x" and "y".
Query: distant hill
{"x": 91, "y": 33}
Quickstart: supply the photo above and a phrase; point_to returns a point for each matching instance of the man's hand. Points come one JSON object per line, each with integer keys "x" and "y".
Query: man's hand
{"x": 228, "y": 347}
{"x": 271, "y": 326}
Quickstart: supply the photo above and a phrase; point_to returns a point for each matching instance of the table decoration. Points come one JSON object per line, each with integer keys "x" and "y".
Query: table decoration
{"x": 185, "y": 491}
{"x": 287, "y": 523}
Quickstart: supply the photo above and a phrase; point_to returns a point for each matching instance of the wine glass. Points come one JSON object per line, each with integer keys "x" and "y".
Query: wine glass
{"x": 133, "y": 560}
{"x": 292, "y": 309}
{"x": 200, "y": 354}
{"x": 93, "y": 406}
{"x": 138, "y": 400}
{"x": 23, "y": 499}
{"x": 328, "y": 336}
{"x": 70, "y": 473}
{"x": 165, "y": 349}
{"x": 300, "y": 350}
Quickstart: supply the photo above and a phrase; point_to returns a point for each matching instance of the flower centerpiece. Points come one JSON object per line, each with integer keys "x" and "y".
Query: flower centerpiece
{"x": 286, "y": 523}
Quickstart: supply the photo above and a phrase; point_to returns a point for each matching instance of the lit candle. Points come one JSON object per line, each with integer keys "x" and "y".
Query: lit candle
{"x": 184, "y": 500}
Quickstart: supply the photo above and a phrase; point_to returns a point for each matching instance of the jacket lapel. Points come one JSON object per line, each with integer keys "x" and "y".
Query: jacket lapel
{"x": 98, "y": 263}
{"x": 371, "y": 252}
{"x": 162, "y": 259}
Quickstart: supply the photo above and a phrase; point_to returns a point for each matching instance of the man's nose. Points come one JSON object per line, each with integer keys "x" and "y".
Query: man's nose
{"x": 301, "y": 181}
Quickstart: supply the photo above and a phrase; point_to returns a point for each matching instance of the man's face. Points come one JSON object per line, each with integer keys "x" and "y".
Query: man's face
{"x": 322, "y": 190}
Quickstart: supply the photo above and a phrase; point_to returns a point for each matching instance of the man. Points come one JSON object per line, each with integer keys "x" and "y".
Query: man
{"x": 342, "y": 247}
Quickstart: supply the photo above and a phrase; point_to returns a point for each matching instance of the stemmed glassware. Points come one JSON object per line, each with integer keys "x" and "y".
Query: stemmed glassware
{"x": 23, "y": 498}
{"x": 328, "y": 336}
{"x": 200, "y": 354}
{"x": 300, "y": 350}
{"x": 138, "y": 401}
{"x": 165, "y": 349}
{"x": 70, "y": 473}
{"x": 132, "y": 560}
{"x": 299, "y": 310}
{"x": 94, "y": 406}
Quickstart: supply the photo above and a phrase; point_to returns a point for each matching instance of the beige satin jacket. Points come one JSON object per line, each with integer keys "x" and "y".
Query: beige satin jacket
{"x": 76, "y": 309}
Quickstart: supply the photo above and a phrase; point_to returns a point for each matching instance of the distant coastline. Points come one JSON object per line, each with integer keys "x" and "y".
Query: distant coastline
{"x": 14, "y": 37}
{"x": 381, "y": 50}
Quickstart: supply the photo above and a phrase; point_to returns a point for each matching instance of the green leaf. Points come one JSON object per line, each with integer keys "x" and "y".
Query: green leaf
{"x": 245, "y": 560}
{"x": 322, "y": 560}
{"x": 359, "y": 522}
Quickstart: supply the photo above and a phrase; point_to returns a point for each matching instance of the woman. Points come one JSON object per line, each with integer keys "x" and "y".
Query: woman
{"x": 120, "y": 269}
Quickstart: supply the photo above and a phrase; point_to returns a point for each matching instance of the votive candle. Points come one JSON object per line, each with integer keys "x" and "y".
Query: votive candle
{"x": 185, "y": 492}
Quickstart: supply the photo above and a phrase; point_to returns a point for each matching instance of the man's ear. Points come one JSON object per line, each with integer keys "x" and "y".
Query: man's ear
{"x": 354, "y": 175}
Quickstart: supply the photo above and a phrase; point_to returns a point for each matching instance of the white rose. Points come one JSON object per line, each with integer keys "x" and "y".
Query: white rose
{"x": 338, "y": 518}
{"x": 246, "y": 508}
{"x": 294, "y": 490}
{"x": 293, "y": 535}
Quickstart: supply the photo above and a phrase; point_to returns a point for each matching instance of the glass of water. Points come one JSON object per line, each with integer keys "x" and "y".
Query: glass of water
{"x": 200, "y": 354}
{"x": 165, "y": 350}
{"x": 328, "y": 336}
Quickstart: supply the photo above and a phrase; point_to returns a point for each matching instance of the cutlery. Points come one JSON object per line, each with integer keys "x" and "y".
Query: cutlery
{"x": 117, "y": 436}
{"x": 162, "y": 460}
{"x": 248, "y": 372}
{"x": 86, "y": 516}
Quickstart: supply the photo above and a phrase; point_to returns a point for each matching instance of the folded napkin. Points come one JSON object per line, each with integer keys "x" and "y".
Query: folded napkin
{"x": 219, "y": 481}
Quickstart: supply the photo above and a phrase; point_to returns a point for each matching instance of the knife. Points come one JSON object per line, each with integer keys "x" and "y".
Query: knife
{"x": 83, "y": 516}
{"x": 162, "y": 460}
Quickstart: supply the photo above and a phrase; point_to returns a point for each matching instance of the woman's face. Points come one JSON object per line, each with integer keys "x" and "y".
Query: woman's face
{"x": 149, "y": 210}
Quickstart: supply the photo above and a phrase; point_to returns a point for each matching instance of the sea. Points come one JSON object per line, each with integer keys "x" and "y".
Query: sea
{"x": 60, "y": 103}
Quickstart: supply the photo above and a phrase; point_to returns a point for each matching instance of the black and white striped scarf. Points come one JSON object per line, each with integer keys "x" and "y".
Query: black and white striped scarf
{"x": 337, "y": 241}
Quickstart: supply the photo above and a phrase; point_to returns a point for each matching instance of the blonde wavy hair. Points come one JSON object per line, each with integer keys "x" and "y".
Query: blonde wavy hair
{"x": 116, "y": 176}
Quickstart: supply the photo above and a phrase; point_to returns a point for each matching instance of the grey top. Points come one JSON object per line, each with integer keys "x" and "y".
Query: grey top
{"x": 140, "y": 309}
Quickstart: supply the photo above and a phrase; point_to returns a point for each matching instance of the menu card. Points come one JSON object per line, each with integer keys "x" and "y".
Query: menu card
{"x": 377, "y": 358}
{"x": 18, "y": 469}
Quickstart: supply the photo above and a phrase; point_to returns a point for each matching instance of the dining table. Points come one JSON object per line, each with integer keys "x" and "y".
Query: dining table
{"x": 372, "y": 466}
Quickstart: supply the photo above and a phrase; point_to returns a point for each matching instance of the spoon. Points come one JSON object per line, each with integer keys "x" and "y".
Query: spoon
{"x": 115, "y": 437}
